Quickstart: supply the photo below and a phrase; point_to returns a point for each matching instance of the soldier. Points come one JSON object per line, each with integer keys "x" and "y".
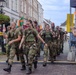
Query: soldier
{"x": 48, "y": 37}
{"x": 35, "y": 24}
{"x": 19, "y": 52}
{"x": 61, "y": 39}
{"x": 58, "y": 40}
{"x": 30, "y": 44}
{"x": 8, "y": 36}
{"x": 16, "y": 37}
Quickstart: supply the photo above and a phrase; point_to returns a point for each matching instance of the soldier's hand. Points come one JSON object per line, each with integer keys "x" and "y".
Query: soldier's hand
{"x": 46, "y": 45}
{"x": 10, "y": 42}
{"x": 19, "y": 46}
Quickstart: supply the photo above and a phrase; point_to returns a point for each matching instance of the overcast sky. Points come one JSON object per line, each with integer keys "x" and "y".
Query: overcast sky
{"x": 55, "y": 10}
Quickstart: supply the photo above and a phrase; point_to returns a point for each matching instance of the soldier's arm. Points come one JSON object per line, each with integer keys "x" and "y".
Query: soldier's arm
{"x": 41, "y": 39}
{"x": 18, "y": 39}
{"x": 21, "y": 41}
{"x": 6, "y": 35}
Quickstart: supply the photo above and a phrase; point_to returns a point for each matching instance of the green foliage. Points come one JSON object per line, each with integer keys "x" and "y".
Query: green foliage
{"x": 4, "y": 18}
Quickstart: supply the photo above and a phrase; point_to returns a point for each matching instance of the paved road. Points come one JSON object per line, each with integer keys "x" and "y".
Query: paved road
{"x": 51, "y": 69}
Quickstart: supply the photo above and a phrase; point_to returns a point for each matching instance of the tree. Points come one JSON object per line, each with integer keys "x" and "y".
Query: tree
{"x": 4, "y": 19}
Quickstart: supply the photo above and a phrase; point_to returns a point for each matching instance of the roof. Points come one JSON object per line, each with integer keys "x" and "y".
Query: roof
{"x": 47, "y": 21}
{"x": 63, "y": 24}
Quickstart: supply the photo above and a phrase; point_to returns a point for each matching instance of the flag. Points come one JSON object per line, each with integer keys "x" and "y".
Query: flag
{"x": 68, "y": 25}
{"x": 21, "y": 21}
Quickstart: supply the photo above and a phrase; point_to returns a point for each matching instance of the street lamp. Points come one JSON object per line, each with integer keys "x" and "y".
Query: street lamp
{"x": 1, "y": 6}
{"x": 1, "y": 37}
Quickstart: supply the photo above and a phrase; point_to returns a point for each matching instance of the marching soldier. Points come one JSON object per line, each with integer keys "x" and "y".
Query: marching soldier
{"x": 8, "y": 36}
{"x": 58, "y": 40}
{"x": 30, "y": 44}
{"x": 15, "y": 40}
{"x": 61, "y": 39}
{"x": 20, "y": 51}
{"x": 48, "y": 37}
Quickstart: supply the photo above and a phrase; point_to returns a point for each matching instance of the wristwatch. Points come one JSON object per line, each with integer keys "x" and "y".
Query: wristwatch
{"x": 44, "y": 43}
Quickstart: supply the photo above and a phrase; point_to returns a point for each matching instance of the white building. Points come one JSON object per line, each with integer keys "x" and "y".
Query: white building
{"x": 12, "y": 9}
{"x": 29, "y": 9}
{"x": 40, "y": 15}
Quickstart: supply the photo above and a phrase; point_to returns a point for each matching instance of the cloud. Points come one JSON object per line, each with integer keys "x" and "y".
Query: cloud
{"x": 67, "y": 1}
{"x": 56, "y": 10}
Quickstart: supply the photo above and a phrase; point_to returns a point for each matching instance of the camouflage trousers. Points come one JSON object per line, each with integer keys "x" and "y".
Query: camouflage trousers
{"x": 58, "y": 47}
{"x": 30, "y": 51}
{"x": 38, "y": 48}
{"x": 61, "y": 45}
{"x": 12, "y": 54}
{"x": 51, "y": 49}
{"x": 8, "y": 50}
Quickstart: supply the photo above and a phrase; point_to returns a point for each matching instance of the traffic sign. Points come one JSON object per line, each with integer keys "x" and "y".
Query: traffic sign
{"x": 1, "y": 33}
{"x": 73, "y": 3}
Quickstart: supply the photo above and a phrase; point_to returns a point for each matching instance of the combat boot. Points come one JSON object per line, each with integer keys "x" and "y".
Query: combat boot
{"x": 7, "y": 61}
{"x": 23, "y": 67}
{"x": 52, "y": 61}
{"x": 35, "y": 64}
{"x": 44, "y": 64}
{"x": 8, "y": 69}
{"x": 28, "y": 70}
{"x": 54, "y": 58}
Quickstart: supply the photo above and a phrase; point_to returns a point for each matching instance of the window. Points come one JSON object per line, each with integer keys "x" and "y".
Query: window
{"x": 22, "y": 6}
{"x": 12, "y": 3}
{"x": 6, "y": 3}
{"x": 30, "y": 2}
{"x": 35, "y": 4}
{"x": 31, "y": 12}
{"x": 16, "y": 4}
{"x": 25, "y": 7}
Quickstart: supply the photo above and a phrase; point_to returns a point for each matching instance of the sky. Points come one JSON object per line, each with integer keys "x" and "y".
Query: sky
{"x": 56, "y": 10}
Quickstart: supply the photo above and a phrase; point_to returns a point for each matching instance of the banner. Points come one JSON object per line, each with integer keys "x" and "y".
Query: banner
{"x": 68, "y": 25}
{"x": 73, "y": 3}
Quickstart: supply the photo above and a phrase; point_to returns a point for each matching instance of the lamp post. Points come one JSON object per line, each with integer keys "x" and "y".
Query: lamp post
{"x": 1, "y": 37}
{"x": 1, "y": 6}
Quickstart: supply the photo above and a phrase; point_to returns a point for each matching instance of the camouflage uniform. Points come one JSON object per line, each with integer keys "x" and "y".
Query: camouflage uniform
{"x": 20, "y": 52}
{"x": 58, "y": 42}
{"x": 54, "y": 46}
{"x": 47, "y": 36}
{"x": 30, "y": 46}
{"x": 61, "y": 41}
{"x": 14, "y": 45}
{"x": 10, "y": 35}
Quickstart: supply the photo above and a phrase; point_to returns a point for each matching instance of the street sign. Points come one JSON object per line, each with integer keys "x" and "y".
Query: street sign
{"x": 68, "y": 22}
{"x": 73, "y": 3}
{"x": 1, "y": 33}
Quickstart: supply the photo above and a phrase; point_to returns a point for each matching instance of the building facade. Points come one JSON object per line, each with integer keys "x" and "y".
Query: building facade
{"x": 29, "y": 9}
{"x": 12, "y": 9}
{"x": 40, "y": 14}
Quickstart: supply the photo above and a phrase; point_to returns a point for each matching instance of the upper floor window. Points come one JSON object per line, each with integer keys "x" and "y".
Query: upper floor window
{"x": 22, "y": 6}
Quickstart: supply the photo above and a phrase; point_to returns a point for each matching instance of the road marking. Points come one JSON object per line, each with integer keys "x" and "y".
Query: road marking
{"x": 56, "y": 62}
